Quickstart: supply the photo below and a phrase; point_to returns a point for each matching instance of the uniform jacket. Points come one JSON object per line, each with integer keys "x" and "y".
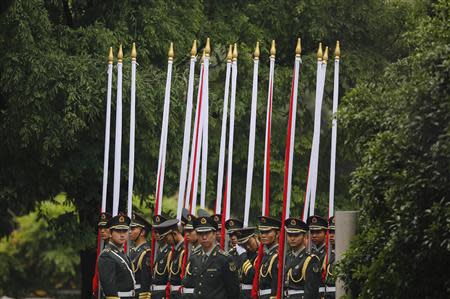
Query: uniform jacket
{"x": 268, "y": 272}
{"x": 140, "y": 257}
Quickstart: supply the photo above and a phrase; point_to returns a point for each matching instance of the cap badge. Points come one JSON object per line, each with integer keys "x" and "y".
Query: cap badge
{"x": 103, "y": 216}
{"x": 293, "y": 222}
{"x": 203, "y": 221}
{"x": 157, "y": 219}
{"x": 231, "y": 223}
{"x": 314, "y": 220}
{"x": 263, "y": 220}
{"x": 121, "y": 219}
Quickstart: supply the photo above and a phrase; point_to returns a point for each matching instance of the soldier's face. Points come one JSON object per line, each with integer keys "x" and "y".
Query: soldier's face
{"x": 233, "y": 240}
{"x": 119, "y": 236}
{"x": 207, "y": 239}
{"x": 134, "y": 233}
{"x": 331, "y": 236}
{"x": 218, "y": 235}
{"x": 268, "y": 237}
{"x": 295, "y": 241}
{"x": 318, "y": 237}
{"x": 251, "y": 245}
{"x": 104, "y": 233}
{"x": 191, "y": 236}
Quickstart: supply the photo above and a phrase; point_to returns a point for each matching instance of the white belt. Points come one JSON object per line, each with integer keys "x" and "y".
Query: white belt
{"x": 295, "y": 292}
{"x": 126, "y": 294}
{"x": 246, "y": 287}
{"x": 265, "y": 292}
{"x": 322, "y": 290}
{"x": 331, "y": 289}
{"x": 158, "y": 287}
{"x": 174, "y": 288}
{"x": 137, "y": 286}
{"x": 188, "y": 290}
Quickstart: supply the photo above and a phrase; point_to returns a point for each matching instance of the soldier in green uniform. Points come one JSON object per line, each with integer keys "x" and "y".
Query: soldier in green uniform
{"x": 268, "y": 272}
{"x": 330, "y": 284}
{"x": 236, "y": 251}
{"x": 114, "y": 267}
{"x": 140, "y": 255}
{"x": 188, "y": 280}
{"x": 301, "y": 269}
{"x": 170, "y": 231}
{"x": 218, "y": 220}
{"x": 246, "y": 238}
{"x": 318, "y": 229}
{"x": 190, "y": 235}
{"x": 161, "y": 264}
{"x": 215, "y": 273}
{"x": 105, "y": 234}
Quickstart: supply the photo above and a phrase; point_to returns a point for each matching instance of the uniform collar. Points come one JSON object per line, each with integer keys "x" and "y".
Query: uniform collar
{"x": 272, "y": 248}
{"x": 115, "y": 247}
{"x": 299, "y": 251}
{"x": 179, "y": 244}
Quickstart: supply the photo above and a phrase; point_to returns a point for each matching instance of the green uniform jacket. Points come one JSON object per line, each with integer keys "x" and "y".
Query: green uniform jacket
{"x": 161, "y": 272}
{"x": 140, "y": 257}
{"x": 268, "y": 273}
{"x": 302, "y": 273}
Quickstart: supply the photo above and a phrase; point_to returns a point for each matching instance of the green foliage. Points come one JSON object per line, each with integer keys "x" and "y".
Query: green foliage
{"x": 399, "y": 128}
{"x": 33, "y": 256}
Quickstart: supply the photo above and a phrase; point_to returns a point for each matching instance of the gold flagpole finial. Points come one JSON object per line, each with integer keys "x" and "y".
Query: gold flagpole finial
{"x": 194, "y": 48}
{"x": 337, "y": 51}
{"x": 230, "y": 53}
{"x": 256, "y": 53}
{"x": 235, "y": 52}
{"x": 273, "y": 51}
{"x": 207, "y": 47}
{"x": 319, "y": 52}
{"x": 203, "y": 55}
{"x": 298, "y": 48}
{"x": 110, "y": 56}
{"x": 170, "y": 54}
{"x": 120, "y": 54}
{"x": 325, "y": 55}
{"x": 133, "y": 52}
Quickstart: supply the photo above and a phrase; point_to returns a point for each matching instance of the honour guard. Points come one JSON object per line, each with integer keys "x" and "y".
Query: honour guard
{"x": 114, "y": 267}
{"x": 169, "y": 230}
{"x": 140, "y": 255}
{"x": 218, "y": 220}
{"x": 103, "y": 226}
{"x": 246, "y": 238}
{"x": 214, "y": 270}
{"x": 190, "y": 234}
{"x": 161, "y": 264}
{"x": 301, "y": 270}
{"x": 268, "y": 272}
{"x": 318, "y": 229}
{"x": 236, "y": 251}
{"x": 330, "y": 284}
{"x": 188, "y": 281}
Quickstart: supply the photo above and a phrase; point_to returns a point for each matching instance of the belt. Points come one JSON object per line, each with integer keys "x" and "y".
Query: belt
{"x": 322, "y": 290}
{"x": 175, "y": 288}
{"x": 158, "y": 287}
{"x": 294, "y": 292}
{"x": 246, "y": 287}
{"x": 265, "y": 292}
{"x": 137, "y": 286}
{"x": 188, "y": 290}
{"x": 126, "y": 294}
{"x": 330, "y": 289}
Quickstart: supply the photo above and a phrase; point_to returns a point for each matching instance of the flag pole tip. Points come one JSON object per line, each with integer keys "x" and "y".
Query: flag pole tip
{"x": 325, "y": 55}
{"x": 273, "y": 51}
{"x": 133, "y": 52}
{"x": 319, "y": 52}
{"x": 230, "y": 53}
{"x": 337, "y": 51}
{"x": 194, "y": 48}
{"x": 203, "y": 55}
{"x": 257, "y": 52}
{"x": 170, "y": 54}
{"x": 110, "y": 55}
{"x": 235, "y": 52}
{"x": 298, "y": 48}
{"x": 207, "y": 47}
{"x": 120, "y": 54}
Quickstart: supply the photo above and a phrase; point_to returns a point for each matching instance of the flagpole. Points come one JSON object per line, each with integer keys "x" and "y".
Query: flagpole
{"x": 223, "y": 133}
{"x": 187, "y": 131}
{"x": 305, "y": 212}
{"x": 251, "y": 139}
{"x": 100, "y": 243}
{"x": 118, "y": 140}
{"x": 316, "y": 139}
{"x": 266, "y": 180}
{"x": 132, "y": 130}
{"x": 288, "y": 166}
{"x": 205, "y": 125}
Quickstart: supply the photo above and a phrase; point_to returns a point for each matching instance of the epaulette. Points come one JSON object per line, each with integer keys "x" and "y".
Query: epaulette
{"x": 224, "y": 253}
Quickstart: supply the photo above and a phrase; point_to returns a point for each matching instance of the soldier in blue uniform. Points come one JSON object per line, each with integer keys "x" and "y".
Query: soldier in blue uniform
{"x": 215, "y": 273}
{"x": 114, "y": 267}
{"x": 318, "y": 229}
{"x": 301, "y": 269}
{"x": 140, "y": 255}
{"x": 161, "y": 264}
{"x": 247, "y": 239}
{"x": 268, "y": 272}
{"x": 330, "y": 284}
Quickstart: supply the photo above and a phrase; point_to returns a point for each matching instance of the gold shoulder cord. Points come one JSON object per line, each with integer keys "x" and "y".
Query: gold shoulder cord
{"x": 187, "y": 269}
{"x": 180, "y": 262}
{"x": 141, "y": 259}
{"x": 269, "y": 270}
{"x": 169, "y": 257}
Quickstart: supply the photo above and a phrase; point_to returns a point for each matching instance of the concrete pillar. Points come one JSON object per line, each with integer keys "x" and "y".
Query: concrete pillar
{"x": 346, "y": 228}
